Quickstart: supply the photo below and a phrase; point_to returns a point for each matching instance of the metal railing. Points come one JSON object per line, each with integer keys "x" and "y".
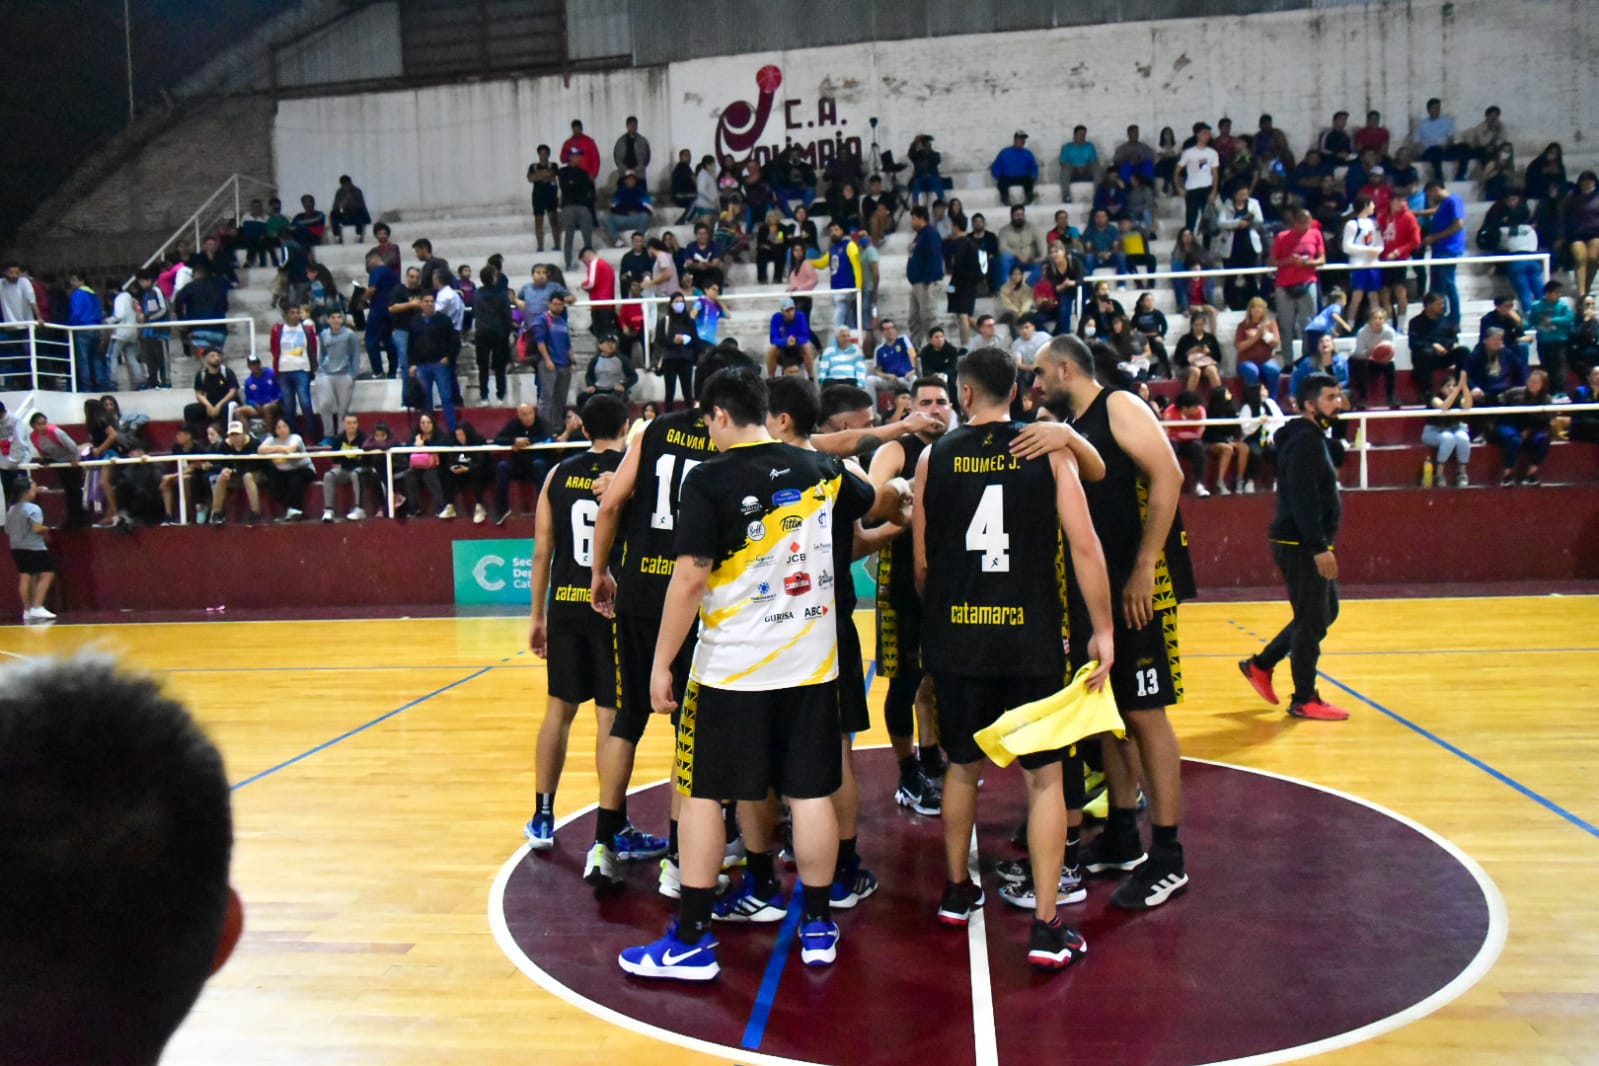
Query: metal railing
{"x": 38, "y": 335}
{"x": 211, "y": 211}
{"x": 1427, "y": 263}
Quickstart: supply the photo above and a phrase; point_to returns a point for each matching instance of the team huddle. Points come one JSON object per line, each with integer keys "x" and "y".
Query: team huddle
{"x": 705, "y": 572}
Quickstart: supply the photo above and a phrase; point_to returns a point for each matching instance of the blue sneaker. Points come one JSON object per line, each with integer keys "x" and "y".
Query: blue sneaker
{"x": 672, "y": 959}
{"x": 745, "y": 906}
{"x": 818, "y": 943}
{"x": 540, "y": 832}
{"x": 633, "y": 844}
{"x": 849, "y": 890}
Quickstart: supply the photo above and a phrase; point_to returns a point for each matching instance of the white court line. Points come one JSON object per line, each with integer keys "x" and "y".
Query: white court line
{"x": 985, "y": 1036}
{"x": 1493, "y": 943}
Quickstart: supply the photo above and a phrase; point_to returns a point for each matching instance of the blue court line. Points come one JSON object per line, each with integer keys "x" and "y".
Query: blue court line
{"x": 756, "y": 1029}
{"x": 1496, "y": 774}
{"x": 358, "y": 729}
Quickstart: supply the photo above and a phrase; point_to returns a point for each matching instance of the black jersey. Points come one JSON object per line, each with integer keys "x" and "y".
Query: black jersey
{"x": 573, "y": 509}
{"x": 996, "y": 570}
{"x": 669, "y": 448}
{"x": 896, "y": 573}
{"x": 1118, "y": 504}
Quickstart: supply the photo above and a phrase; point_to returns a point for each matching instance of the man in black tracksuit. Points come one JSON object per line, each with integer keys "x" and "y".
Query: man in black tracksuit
{"x": 1302, "y": 536}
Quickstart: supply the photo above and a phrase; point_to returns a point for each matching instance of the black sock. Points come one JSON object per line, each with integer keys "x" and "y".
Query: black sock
{"x": 608, "y": 823}
{"x": 847, "y": 859}
{"x": 694, "y": 914}
{"x": 1123, "y": 821}
{"x": 932, "y": 760}
{"x": 671, "y": 841}
{"x": 546, "y": 803}
{"x": 764, "y": 871}
{"x": 818, "y": 903}
{"x": 1074, "y": 847}
{"x": 730, "y": 821}
{"x": 1163, "y": 836}
{"x": 909, "y": 770}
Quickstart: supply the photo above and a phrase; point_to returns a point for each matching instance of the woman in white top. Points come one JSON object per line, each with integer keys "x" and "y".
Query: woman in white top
{"x": 1363, "y": 247}
{"x": 1197, "y": 167}
{"x": 288, "y": 478}
{"x": 1374, "y": 351}
{"x": 1261, "y": 418}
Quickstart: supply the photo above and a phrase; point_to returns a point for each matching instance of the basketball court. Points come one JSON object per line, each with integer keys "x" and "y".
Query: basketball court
{"x": 1414, "y": 885}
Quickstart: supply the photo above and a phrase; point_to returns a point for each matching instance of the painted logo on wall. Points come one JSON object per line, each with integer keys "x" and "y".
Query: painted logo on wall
{"x": 493, "y": 571}
{"x": 741, "y": 131}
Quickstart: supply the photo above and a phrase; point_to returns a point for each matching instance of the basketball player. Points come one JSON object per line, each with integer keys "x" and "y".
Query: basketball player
{"x": 899, "y": 615}
{"x": 761, "y": 709}
{"x": 1302, "y": 535}
{"x": 1133, "y": 509}
{"x": 793, "y": 410}
{"x": 991, "y": 564}
{"x": 652, "y": 470}
{"x": 580, "y": 647}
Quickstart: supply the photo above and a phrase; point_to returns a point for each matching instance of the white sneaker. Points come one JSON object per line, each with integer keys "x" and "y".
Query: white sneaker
{"x": 1222, "y": 489}
{"x": 293, "y": 514}
{"x": 43, "y": 612}
{"x": 327, "y": 515}
{"x": 1201, "y": 490}
{"x": 479, "y": 515}
{"x": 448, "y": 512}
{"x": 1249, "y": 487}
{"x": 356, "y": 515}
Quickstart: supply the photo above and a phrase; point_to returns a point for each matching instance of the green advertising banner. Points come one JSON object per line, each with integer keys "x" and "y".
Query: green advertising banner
{"x": 493, "y": 572}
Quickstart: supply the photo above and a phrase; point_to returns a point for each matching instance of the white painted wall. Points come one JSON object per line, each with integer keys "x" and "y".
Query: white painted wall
{"x": 470, "y": 144}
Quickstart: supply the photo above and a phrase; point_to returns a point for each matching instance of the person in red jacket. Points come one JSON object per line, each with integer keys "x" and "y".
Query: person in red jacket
{"x": 1401, "y": 236}
{"x": 600, "y": 283}
{"x": 582, "y": 142}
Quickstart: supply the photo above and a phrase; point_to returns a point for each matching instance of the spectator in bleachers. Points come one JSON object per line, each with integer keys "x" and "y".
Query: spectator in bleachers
{"x": 1498, "y": 175}
{"x": 1150, "y": 323}
{"x": 1401, "y": 238}
{"x": 1102, "y": 246}
{"x": 1270, "y": 142}
{"x": 581, "y": 149}
{"x": 1335, "y": 144}
{"x": 1016, "y": 299}
{"x": 422, "y": 470}
{"x": 988, "y": 245}
{"x": 183, "y": 443}
{"x": 93, "y": 371}
{"x": 843, "y": 264}
{"x": 1584, "y": 349}
{"x": 405, "y": 303}
{"x": 1259, "y": 344}
{"x": 703, "y": 264}
{"x": 1020, "y": 245}
{"x": 676, "y": 348}
{"x": 1554, "y": 321}
{"x": 1186, "y": 440}
{"x": 1508, "y": 229}
{"x": 632, "y": 153}
{"x": 1262, "y": 418}
{"x": 630, "y": 208}
{"x": 1134, "y": 239}
{"x": 683, "y": 191}
{"x": 323, "y": 295}
{"x": 338, "y": 358}
{"x": 1375, "y": 344}
{"x": 349, "y": 209}
{"x": 1373, "y": 136}
{"x": 1492, "y": 368}
{"x": 1195, "y": 295}
{"x": 294, "y": 361}
{"x": 288, "y": 478}
{"x": 231, "y": 472}
{"x": 204, "y": 297}
{"x": 1131, "y": 350}
{"x": 1402, "y": 173}
{"x": 53, "y": 446}
{"x": 542, "y": 174}
{"x": 577, "y": 206}
{"x": 1324, "y": 358}
{"x": 253, "y": 236}
{"x": 802, "y": 276}
{"x": 1240, "y": 242}
{"x": 1079, "y": 161}
{"x": 759, "y": 197}
{"x": 771, "y": 248}
{"x": 599, "y": 284}
{"x": 925, "y": 271}
{"x": 551, "y": 336}
{"x": 1198, "y": 168}
{"x": 468, "y": 471}
{"x": 608, "y": 373}
{"x": 1110, "y": 195}
{"x": 1134, "y": 156}
{"x": 789, "y": 348}
{"x": 215, "y": 388}
{"x": 1435, "y": 135}
{"x": 1483, "y": 141}
{"x": 1029, "y": 340}
{"x": 878, "y": 209}
{"x": 844, "y": 168}
{"x": 1197, "y": 356}
{"x": 793, "y": 180}
{"x": 523, "y": 430}
{"x": 893, "y": 363}
{"x": 802, "y": 231}
{"x": 346, "y": 469}
{"x": 1546, "y": 171}
{"x": 1446, "y": 431}
{"x": 842, "y": 362}
{"x": 1505, "y": 316}
{"x": 1584, "y": 425}
{"x": 1015, "y": 166}
{"x": 1225, "y": 443}
{"x": 1063, "y": 274}
{"x": 1362, "y": 247}
{"x": 1297, "y": 253}
{"x": 926, "y": 181}
{"x": 638, "y": 263}
{"x": 707, "y": 194}
{"x": 1329, "y": 321}
{"x": 263, "y": 397}
{"x": 1434, "y": 344}
{"x": 708, "y": 312}
{"x": 310, "y": 225}
{"x": 938, "y": 357}
{"x": 377, "y": 468}
{"x": 966, "y": 277}
{"x": 1163, "y": 163}
{"x": 491, "y": 337}
{"x": 1098, "y": 312}
{"x": 1225, "y": 143}
{"x": 1581, "y": 234}
{"x": 1524, "y": 436}
{"x": 385, "y": 249}
{"x": 844, "y": 205}
{"x": 148, "y": 360}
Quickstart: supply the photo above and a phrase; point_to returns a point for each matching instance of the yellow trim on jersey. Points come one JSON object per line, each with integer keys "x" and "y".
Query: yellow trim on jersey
{"x": 827, "y": 670}
{"x": 735, "y": 565}
{"x": 731, "y": 678}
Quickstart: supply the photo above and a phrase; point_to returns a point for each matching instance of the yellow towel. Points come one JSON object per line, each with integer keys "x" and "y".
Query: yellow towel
{"x": 1056, "y": 721}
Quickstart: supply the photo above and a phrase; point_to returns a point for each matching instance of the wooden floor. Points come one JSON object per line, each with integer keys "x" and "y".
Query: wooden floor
{"x": 384, "y": 772}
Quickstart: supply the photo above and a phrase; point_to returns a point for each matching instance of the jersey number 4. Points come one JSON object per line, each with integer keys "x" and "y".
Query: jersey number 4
{"x": 664, "y": 516}
{"x": 986, "y": 533}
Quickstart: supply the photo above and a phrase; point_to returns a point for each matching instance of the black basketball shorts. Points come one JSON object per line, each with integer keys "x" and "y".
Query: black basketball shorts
{"x": 735, "y": 745}
{"x": 1148, "y": 672}
{"x": 582, "y": 662}
{"x": 635, "y": 658}
{"x": 853, "y": 714}
{"x": 967, "y": 704}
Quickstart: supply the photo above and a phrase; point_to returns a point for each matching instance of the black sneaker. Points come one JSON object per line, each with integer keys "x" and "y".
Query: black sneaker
{"x": 922, "y": 796}
{"x": 1053, "y": 945}
{"x": 1157, "y": 881}
{"x": 959, "y": 901}
{"x": 1113, "y": 853}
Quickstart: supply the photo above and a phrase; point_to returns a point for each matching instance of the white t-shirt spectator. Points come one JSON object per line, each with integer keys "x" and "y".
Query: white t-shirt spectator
{"x": 1199, "y": 167}
{"x": 1434, "y": 132}
{"x": 17, "y": 301}
{"x": 292, "y": 348}
{"x": 1362, "y": 243}
{"x": 1026, "y": 351}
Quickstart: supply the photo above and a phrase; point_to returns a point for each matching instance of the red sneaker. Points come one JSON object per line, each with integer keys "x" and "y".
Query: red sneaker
{"x": 1259, "y": 680}
{"x": 1318, "y": 709}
